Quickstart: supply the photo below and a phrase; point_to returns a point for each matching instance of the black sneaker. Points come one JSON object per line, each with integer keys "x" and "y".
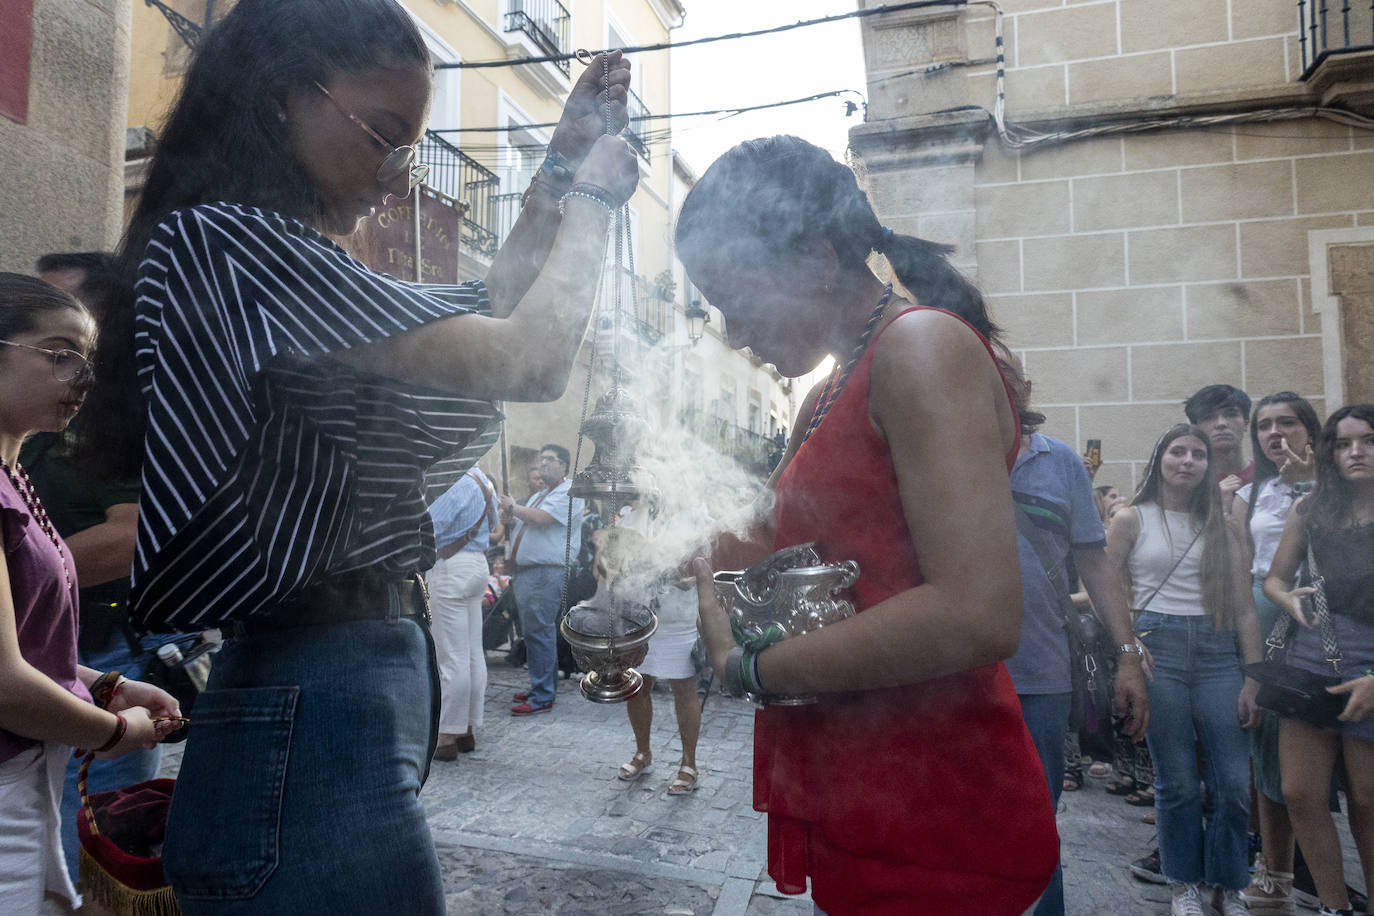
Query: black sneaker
{"x": 1146, "y": 868}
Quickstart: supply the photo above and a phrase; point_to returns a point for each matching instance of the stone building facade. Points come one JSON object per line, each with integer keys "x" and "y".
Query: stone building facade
{"x": 1190, "y": 220}
{"x": 65, "y": 70}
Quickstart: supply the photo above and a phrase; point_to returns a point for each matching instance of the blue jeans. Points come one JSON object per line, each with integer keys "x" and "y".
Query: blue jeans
{"x": 108, "y": 775}
{"x": 1193, "y": 700}
{"x": 1047, "y": 720}
{"x": 299, "y": 788}
{"x": 538, "y": 589}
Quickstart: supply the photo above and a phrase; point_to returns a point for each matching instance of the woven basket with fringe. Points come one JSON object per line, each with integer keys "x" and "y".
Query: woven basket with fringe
{"x": 125, "y": 884}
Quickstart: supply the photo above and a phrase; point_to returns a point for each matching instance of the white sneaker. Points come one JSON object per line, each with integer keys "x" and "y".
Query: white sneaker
{"x": 1270, "y": 892}
{"x": 1186, "y": 899}
{"x": 1228, "y": 902}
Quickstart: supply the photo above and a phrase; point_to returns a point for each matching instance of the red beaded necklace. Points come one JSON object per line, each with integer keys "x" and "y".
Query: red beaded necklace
{"x": 20, "y": 478}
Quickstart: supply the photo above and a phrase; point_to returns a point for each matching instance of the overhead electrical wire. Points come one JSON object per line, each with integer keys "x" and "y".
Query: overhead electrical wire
{"x": 1018, "y": 136}
{"x": 667, "y": 45}
{"x": 1015, "y": 136}
{"x": 658, "y": 117}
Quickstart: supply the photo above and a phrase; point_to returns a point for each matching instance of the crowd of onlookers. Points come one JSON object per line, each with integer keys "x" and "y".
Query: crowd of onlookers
{"x": 1214, "y": 550}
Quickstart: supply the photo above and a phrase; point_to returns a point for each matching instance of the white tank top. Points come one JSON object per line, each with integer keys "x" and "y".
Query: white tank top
{"x": 1163, "y": 537}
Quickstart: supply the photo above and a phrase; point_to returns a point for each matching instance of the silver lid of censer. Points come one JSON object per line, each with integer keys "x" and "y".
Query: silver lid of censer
{"x": 784, "y": 595}
{"x": 612, "y": 480}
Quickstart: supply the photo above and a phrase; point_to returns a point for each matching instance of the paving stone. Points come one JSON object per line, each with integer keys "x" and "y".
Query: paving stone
{"x": 535, "y": 821}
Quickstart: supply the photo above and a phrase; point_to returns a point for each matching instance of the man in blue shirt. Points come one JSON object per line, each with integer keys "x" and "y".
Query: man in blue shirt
{"x": 1051, "y": 486}
{"x": 539, "y": 548}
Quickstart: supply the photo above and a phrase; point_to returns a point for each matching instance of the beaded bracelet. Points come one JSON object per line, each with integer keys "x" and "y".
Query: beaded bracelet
{"x": 121, "y": 726}
{"x": 588, "y": 191}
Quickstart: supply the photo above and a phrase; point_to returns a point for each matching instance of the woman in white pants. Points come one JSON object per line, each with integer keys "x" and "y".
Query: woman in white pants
{"x": 465, "y": 520}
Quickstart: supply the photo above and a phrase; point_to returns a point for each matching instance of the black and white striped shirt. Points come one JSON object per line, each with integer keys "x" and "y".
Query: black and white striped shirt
{"x": 267, "y": 465}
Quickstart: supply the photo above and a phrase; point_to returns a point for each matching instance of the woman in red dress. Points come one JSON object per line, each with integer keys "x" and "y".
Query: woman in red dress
{"x": 912, "y": 786}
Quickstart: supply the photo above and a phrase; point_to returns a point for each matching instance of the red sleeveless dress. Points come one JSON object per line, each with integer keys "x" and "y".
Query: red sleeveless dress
{"x": 927, "y": 798}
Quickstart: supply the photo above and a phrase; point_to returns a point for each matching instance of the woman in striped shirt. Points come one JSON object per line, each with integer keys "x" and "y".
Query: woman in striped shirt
{"x": 283, "y": 402}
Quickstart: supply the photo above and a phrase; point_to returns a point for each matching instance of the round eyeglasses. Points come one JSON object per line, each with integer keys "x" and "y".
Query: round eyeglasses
{"x": 67, "y": 365}
{"x": 399, "y": 164}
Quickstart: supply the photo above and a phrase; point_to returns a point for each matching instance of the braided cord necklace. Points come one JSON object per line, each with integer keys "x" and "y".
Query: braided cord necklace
{"x": 20, "y": 479}
{"x": 835, "y": 383}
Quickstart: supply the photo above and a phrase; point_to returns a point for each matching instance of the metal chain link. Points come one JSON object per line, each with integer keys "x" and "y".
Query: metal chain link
{"x": 591, "y": 356}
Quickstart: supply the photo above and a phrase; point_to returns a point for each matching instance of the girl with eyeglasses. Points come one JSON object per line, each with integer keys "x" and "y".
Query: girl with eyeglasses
{"x": 46, "y": 698}
{"x": 282, "y": 402}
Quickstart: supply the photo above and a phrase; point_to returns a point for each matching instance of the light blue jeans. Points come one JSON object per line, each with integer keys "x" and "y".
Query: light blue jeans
{"x": 1047, "y": 720}
{"x": 538, "y": 589}
{"x": 108, "y": 775}
{"x": 1193, "y": 701}
{"x": 299, "y": 788}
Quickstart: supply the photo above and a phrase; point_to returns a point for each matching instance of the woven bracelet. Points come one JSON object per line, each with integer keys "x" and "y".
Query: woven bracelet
{"x": 121, "y": 726}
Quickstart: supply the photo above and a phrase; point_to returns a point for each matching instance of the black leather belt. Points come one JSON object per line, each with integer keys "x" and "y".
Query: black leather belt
{"x": 343, "y": 599}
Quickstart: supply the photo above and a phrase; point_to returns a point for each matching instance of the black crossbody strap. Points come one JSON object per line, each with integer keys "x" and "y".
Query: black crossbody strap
{"x": 1162, "y": 582}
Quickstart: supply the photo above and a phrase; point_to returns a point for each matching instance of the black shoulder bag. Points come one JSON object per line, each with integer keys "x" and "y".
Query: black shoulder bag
{"x": 1090, "y": 666}
{"x": 1295, "y": 692}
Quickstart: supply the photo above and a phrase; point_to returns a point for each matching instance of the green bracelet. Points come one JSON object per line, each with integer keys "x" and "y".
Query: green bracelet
{"x": 746, "y": 671}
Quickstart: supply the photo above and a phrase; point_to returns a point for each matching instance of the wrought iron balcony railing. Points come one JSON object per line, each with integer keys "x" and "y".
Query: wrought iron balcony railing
{"x": 506, "y": 209}
{"x": 750, "y": 449}
{"x": 1325, "y": 30}
{"x": 544, "y": 22}
{"x": 455, "y": 173}
{"x": 643, "y": 309}
{"x": 637, "y": 133}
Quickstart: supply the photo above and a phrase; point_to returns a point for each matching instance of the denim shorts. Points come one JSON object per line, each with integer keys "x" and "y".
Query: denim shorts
{"x": 1356, "y": 641}
{"x": 298, "y": 791}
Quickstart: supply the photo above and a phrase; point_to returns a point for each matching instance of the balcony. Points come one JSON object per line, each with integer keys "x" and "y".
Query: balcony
{"x": 637, "y": 132}
{"x": 1337, "y": 42}
{"x": 505, "y": 210}
{"x": 540, "y": 27}
{"x": 455, "y": 173}
{"x": 644, "y": 311}
{"x": 750, "y": 449}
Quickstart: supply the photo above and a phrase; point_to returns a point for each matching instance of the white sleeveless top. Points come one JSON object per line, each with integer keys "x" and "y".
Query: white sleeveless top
{"x": 1164, "y": 535}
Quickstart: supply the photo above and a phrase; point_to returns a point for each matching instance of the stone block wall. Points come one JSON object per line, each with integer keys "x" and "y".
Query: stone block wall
{"x": 1128, "y": 269}
{"x": 62, "y": 180}
{"x": 1064, "y": 53}
{"x": 1135, "y": 280}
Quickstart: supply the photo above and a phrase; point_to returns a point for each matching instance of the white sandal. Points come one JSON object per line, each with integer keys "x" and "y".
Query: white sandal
{"x": 639, "y": 764}
{"x": 680, "y": 786}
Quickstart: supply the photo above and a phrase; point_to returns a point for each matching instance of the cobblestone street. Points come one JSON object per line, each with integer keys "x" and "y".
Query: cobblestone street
{"x": 534, "y": 821}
